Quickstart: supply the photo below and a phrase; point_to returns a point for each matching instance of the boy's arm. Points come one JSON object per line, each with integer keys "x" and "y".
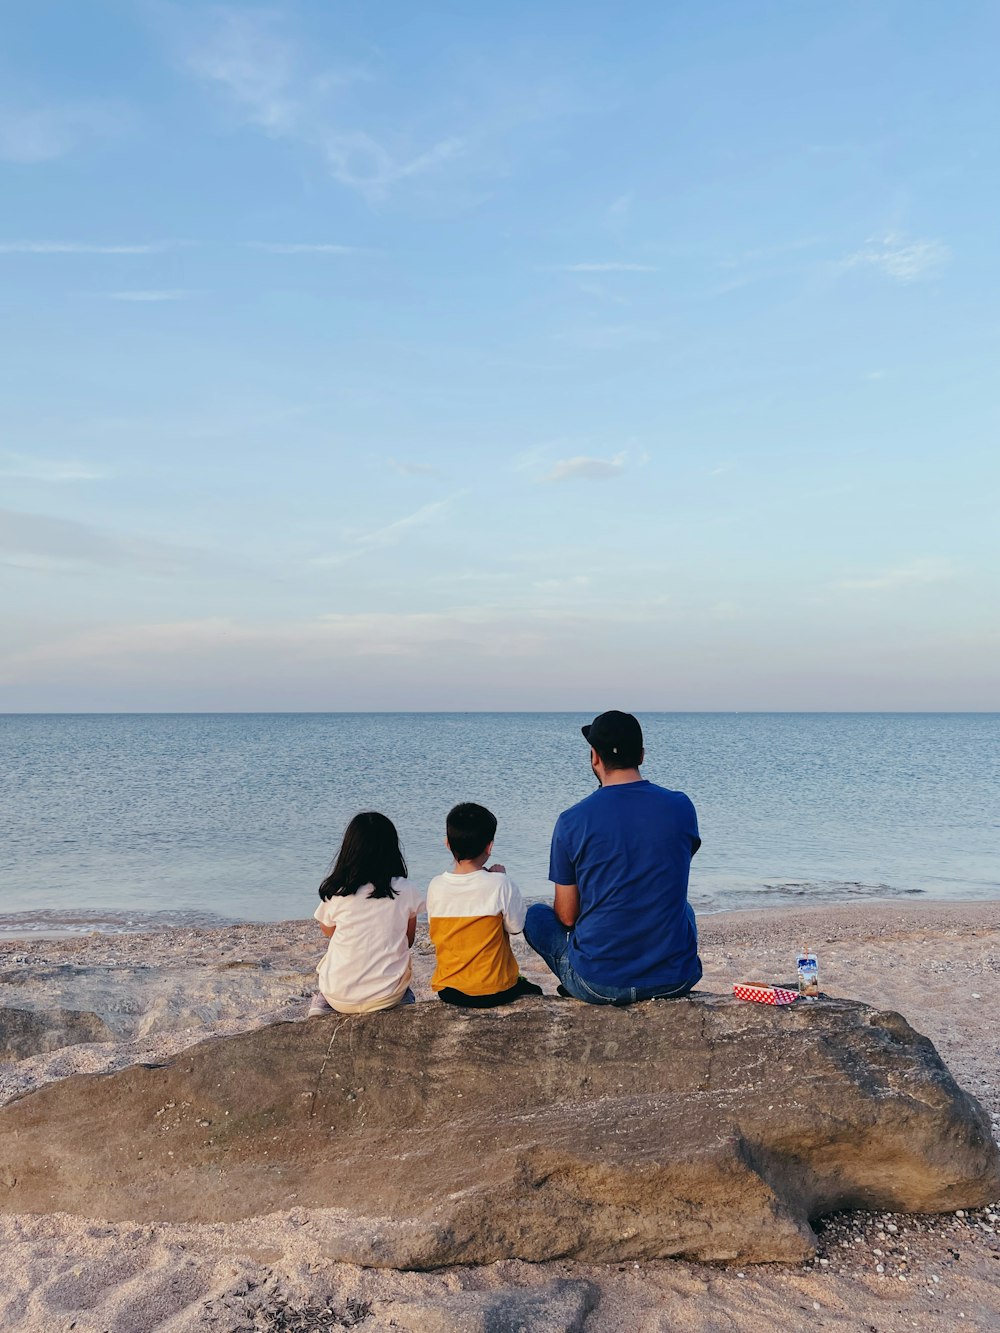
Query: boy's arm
{"x": 514, "y": 907}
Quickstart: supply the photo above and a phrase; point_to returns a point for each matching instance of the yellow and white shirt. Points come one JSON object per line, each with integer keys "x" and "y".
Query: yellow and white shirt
{"x": 470, "y": 919}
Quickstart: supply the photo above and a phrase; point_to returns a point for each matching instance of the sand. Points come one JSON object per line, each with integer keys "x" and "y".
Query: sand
{"x": 937, "y": 964}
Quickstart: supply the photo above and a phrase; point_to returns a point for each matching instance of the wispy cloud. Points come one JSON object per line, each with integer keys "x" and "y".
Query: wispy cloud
{"x": 392, "y": 532}
{"x": 85, "y": 248}
{"x": 600, "y": 266}
{"x": 45, "y": 542}
{"x": 900, "y": 257}
{"x": 304, "y": 648}
{"x": 161, "y": 247}
{"x": 584, "y": 468}
{"x": 553, "y": 461}
{"x": 362, "y": 543}
{"x": 608, "y": 337}
{"x": 152, "y": 294}
{"x": 25, "y": 468}
{"x": 246, "y": 55}
{"x": 575, "y": 583}
{"x": 266, "y": 79}
{"x": 916, "y": 572}
{"x": 380, "y": 169}
{"x": 620, "y": 209}
{"x": 529, "y": 460}
{"x": 45, "y": 133}
{"x": 766, "y": 253}
{"x": 408, "y": 469}
{"x": 305, "y": 248}
{"x": 782, "y": 261}
{"x": 600, "y": 291}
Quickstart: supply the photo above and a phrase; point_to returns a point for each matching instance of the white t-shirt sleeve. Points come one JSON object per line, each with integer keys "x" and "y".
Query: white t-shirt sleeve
{"x": 416, "y": 897}
{"x": 432, "y": 896}
{"x": 514, "y": 907}
{"x": 327, "y": 912}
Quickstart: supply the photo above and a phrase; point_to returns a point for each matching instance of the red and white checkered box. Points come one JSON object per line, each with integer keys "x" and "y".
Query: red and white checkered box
{"x": 763, "y": 994}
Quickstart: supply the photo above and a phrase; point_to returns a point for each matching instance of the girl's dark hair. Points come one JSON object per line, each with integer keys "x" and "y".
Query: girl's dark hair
{"x": 369, "y": 854}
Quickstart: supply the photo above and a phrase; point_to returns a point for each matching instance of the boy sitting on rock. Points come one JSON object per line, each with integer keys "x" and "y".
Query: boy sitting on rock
{"x": 472, "y": 912}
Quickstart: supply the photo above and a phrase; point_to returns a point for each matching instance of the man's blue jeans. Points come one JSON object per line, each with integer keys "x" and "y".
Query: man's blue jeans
{"x": 550, "y": 938}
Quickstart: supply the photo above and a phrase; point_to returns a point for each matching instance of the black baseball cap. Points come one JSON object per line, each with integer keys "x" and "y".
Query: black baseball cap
{"x": 615, "y": 735}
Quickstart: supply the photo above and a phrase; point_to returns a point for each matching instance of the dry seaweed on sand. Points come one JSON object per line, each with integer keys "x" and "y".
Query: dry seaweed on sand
{"x": 268, "y": 1308}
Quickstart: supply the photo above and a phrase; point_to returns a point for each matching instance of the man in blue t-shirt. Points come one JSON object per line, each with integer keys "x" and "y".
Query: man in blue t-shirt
{"x": 621, "y": 929}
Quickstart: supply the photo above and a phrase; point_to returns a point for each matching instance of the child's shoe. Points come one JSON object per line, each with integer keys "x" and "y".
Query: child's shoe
{"x": 318, "y": 1005}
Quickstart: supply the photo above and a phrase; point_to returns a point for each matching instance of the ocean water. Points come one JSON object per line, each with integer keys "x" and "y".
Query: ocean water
{"x": 124, "y": 821}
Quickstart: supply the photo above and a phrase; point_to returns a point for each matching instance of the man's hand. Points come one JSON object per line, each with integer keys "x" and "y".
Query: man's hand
{"x": 497, "y": 869}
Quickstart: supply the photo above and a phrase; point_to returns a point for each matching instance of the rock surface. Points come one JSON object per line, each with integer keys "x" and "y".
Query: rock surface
{"x": 28, "y": 1032}
{"x": 701, "y": 1127}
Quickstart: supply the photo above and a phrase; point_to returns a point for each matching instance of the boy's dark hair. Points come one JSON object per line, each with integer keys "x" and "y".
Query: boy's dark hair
{"x": 369, "y": 854}
{"x": 470, "y": 829}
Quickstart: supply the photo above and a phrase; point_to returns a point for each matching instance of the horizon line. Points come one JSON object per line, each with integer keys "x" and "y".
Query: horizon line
{"x": 494, "y": 712}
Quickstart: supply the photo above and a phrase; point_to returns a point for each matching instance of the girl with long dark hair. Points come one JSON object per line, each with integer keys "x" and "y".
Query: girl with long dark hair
{"x": 369, "y": 914}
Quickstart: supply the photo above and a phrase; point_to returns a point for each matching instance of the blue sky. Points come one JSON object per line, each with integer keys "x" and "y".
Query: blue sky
{"x": 499, "y": 356}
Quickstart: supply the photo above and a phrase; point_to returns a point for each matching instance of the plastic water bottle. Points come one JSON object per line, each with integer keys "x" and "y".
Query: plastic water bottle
{"x": 808, "y": 969}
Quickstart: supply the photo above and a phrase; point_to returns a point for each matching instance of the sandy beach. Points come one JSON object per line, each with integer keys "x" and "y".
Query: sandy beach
{"x": 935, "y": 963}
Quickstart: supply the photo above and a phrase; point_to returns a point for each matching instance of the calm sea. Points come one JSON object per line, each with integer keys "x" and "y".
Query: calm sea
{"x": 108, "y": 819}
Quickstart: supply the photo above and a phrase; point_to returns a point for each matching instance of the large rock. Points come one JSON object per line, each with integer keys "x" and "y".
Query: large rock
{"x": 27, "y": 1032}
{"x": 701, "y": 1127}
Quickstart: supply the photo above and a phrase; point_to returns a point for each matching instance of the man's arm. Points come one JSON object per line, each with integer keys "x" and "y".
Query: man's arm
{"x": 567, "y": 904}
{"x": 561, "y": 867}
{"x": 694, "y": 830}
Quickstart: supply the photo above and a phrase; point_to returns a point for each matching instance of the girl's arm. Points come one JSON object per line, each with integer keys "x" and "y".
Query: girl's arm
{"x": 327, "y": 930}
{"x": 411, "y": 930}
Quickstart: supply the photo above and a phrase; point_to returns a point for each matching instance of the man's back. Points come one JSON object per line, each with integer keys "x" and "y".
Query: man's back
{"x": 628, "y": 848}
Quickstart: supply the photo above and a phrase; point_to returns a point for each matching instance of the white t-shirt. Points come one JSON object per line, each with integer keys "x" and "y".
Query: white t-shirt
{"x": 367, "y": 962}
